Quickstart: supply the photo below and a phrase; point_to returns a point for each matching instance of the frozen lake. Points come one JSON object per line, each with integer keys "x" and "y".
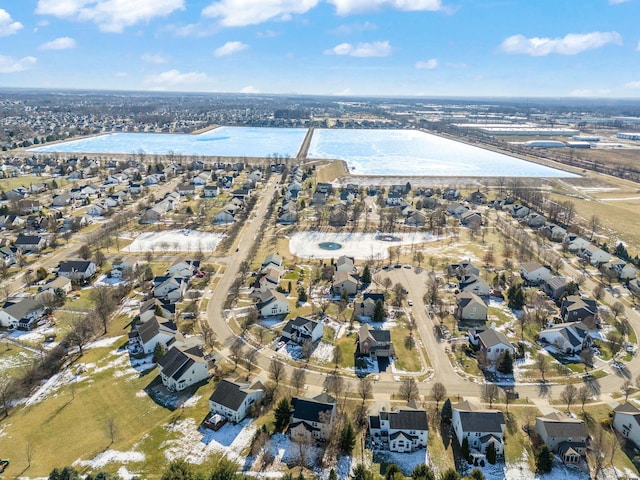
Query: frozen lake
{"x": 221, "y": 142}
{"x": 413, "y": 153}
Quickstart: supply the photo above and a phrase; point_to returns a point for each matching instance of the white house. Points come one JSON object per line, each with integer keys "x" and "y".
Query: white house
{"x": 403, "y": 431}
{"x": 301, "y": 329}
{"x": 626, "y": 421}
{"x": 224, "y": 217}
{"x": 233, "y": 400}
{"x": 272, "y": 259}
{"x": 273, "y": 303}
{"x": 569, "y": 338}
{"x": 533, "y": 272}
{"x": 30, "y": 243}
{"x": 169, "y": 288}
{"x": 184, "y": 269}
{"x": 21, "y": 314}
{"x": 594, "y": 255}
{"x": 156, "y": 330}
{"x": 345, "y": 264}
{"x": 97, "y": 209}
{"x": 182, "y": 367}
{"x": 493, "y": 344}
{"x": 480, "y": 426}
{"x": 475, "y": 284}
{"x": 76, "y": 270}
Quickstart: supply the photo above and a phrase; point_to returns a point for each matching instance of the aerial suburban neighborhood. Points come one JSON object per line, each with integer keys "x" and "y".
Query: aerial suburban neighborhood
{"x": 289, "y": 314}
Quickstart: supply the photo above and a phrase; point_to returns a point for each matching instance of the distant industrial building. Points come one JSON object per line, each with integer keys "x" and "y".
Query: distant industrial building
{"x": 583, "y": 138}
{"x": 628, "y": 135}
{"x": 544, "y": 144}
{"x": 578, "y": 144}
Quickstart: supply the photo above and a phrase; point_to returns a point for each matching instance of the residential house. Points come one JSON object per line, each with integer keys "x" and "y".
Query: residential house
{"x": 415, "y": 218}
{"x": 470, "y": 306}
{"x": 569, "y": 338}
{"x": 480, "y": 426}
{"x": 23, "y": 314}
{"x": 153, "y": 214}
{"x": 493, "y": 344}
{"x": 477, "y": 197}
{"x": 30, "y": 243}
{"x": 272, "y": 303}
{"x": 186, "y": 189}
{"x": 155, "y": 331}
{"x": 564, "y": 435}
{"x": 374, "y": 343}
{"x": 554, "y": 233}
{"x": 302, "y": 329}
{"x": 121, "y": 267}
{"x": 169, "y": 288}
{"x": 575, "y": 244}
{"x": 98, "y": 209}
{"x": 394, "y": 199}
{"x": 403, "y": 431}
{"x": 345, "y": 264}
{"x": 29, "y": 206}
{"x": 311, "y": 419}
{"x": 268, "y": 278}
{"x": 574, "y": 308}
{"x": 616, "y": 268}
{"x": 344, "y": 282}
{"x": 451, "y": 194}
{"x": 517, "y": 210}
{"x": 471, "y": 218}
{"x": 156, "y": 308}
{"x": 456, "y": 209}
{"x": 555, "y": 287}
{"x": 8, "y": 255}
{"x": 338, "y": 217}
{"x": 288, "y": 214}
{"x": 462, "y": 269}
{"x": 626, "y": 421}
{"x": 210, "y": 191}
{"x": 323, "y": 187}
{"x": 59, "y": 283}
{"x": 535, "y": 220}
{"x": 233, "y": 400}
{"x": 475, "y": 284}
{"x": 182, "y": 367}
{"x": 184, "y": 269}
{"x": 61, "y": 200}
{"x": 367, "y": 306}
{"x": 594, "y": 255}
{"x": 272, "y": 259}
{"x": 534, "y": 273}
{"x": 77, "y": 270}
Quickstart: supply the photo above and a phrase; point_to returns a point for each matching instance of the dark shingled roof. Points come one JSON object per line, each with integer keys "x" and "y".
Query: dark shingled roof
{"x": 309, "y": 410}
{"x": 557, "y": 426}
{"x": 482, "y": 421}
{"x": 408, "y": 420}
{"x": 229, "y": 394}
{"x": 179, "y": 360}
{"x": 74, "y": 266}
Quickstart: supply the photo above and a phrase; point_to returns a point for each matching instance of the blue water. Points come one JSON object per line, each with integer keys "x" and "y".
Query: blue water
{"x": 223, "y": 142}
{"x": 413, "y": 153}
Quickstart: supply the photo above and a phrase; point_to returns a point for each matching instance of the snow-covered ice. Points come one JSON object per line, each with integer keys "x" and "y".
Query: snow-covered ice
{"x": 359, "y": 245}
{"x": 175, "y": 241}
{"x": 411, "y": 152}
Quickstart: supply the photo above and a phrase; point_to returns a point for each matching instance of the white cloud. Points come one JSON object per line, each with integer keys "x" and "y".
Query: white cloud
{"x": 617, "y": 2}
{"x": 14, "y": 65}
{"x": 156, "y": 58}
{"x": 238, "y": 13}
{"x": 8, "y": 26}
{"x": 229, "y": 48}
{"x": 109, "y": 15}
{"x": 570, "y": 44}
{"x": 249, "y": 89}
{"x": 347, "y": 7}
{"x": 632, "y": 84}
{"x": 175, "y": 78}
{"x": 62, "y": 43}
{"x": 430, "y": 64}
{"x": 587, "y": 92}
{"x": 354, "y": 28}
{"x": 374, "y": 49}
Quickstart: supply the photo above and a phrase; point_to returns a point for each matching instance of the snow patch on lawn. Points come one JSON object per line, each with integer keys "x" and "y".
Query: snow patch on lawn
{"x": 323, "y": 352}
{"x": 175, "y": 241}
{"x": 405, "y": 461}
{"x": 111, "y": 456}
{"x": 105, "y": 342}
{"x": 192, "y": 401}
{"x": 195, "y": 444}
{"x": 358, "y": 245}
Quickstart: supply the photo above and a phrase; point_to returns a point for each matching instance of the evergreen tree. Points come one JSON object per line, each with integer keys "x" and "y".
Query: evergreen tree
{"x": 66, "y": 473}
{"x": 544, "y": 460}
{"x": 225, "y": 469}
{"x": 516, "y": 296}
{"x": 333, "y": 475}
{"x": 302, "y": 295}
{"x": 446, "y": 411}
{"x": 282, "y": 414}
{"x": 366, "y": 275}
{"x": 491, "y": 454}
{"x": 450, "y": 474}
{"x": 476, "y": 474}
{"x": 347, "y": 438}
{"x": 465, "y": 451}
{"x": 423, "y": 472}
{"x": 180, "y": 470}
{"x": 361, "y": 473}
{"x": 159, "y": 351}
{"x": 393, "y": 472}
{"x": 378, "y": 311}
{"x": 505, "y": 364}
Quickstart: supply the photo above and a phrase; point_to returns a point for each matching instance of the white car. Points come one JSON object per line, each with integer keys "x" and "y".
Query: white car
{"x": 410, "y": 302}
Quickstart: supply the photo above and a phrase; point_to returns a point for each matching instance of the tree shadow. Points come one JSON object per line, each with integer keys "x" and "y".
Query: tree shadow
{"x": 593, "y": 384}
{"x": 589, "y": 419}
{"x": 623, "y": 372}
{"x": 544, "y": 390}
{"x": 58, "y": 411}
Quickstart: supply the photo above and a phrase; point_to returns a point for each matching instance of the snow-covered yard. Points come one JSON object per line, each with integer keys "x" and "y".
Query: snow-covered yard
{"x": 358, "y": 245}
{"x": 175, "y": 241}
{"x": 111, "y": 456}
{"x": 323, "y": 353}
{"x": 405, "y": 461}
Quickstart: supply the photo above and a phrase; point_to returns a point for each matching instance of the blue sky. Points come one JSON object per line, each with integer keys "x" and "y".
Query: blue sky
{"x": 531, "y": 48}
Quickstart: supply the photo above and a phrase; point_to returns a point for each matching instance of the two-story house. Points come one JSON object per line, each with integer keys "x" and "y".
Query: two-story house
{"x": 403, "y": 431}
{"x": 233, "y": 400}
{"x": 480, "y": 426}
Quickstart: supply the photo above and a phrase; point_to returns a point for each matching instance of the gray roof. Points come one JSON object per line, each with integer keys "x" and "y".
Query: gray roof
{"x": 74, "y": 266}
{"x": 488, "y": 421}
{"x": 22, "y": 308}
{"x": 559, "y": 425}
{"x": 178, "y": 360}
{"x": 150, "y": 329}
{"x": 408, "y": 420}
{"x": 491, "y": 337}
{"x": 309, "y": 410}
{"x": 231, "y": 394}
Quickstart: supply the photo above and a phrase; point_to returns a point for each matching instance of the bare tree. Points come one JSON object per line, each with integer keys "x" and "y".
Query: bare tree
{"x": 105, "y": 304}
{"x": 365, "y": 389}
{"x": 408, "y": 390}
{"x": 386, "y": 283}
{"x": 490, "y": 393}
{"x": 82, "y": 330}
{"x": 617, "y": 309}
{"x": 277, "y": 371}
{"x": 542, "y": 362}
{"x": 307, "y": 349}
{"x": 334, "y": 384}
{"x": 584, "y": 395}
{"x": 207, "y": 334}
{"x": 111, "y": 429}
{"x": 438, "y": 392}
{"x": 568, "y": 395}
{"x": 598, "y": 452}
{"x": 250, "y": 357}
{"x": 598, "y": 292}
{"x": 236, "y": 351}
{"x": 627, "y": 388}
{"x": 298, "y": 377}
{"x": 337, "y": 355}
{"x": 6, "y": 393}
